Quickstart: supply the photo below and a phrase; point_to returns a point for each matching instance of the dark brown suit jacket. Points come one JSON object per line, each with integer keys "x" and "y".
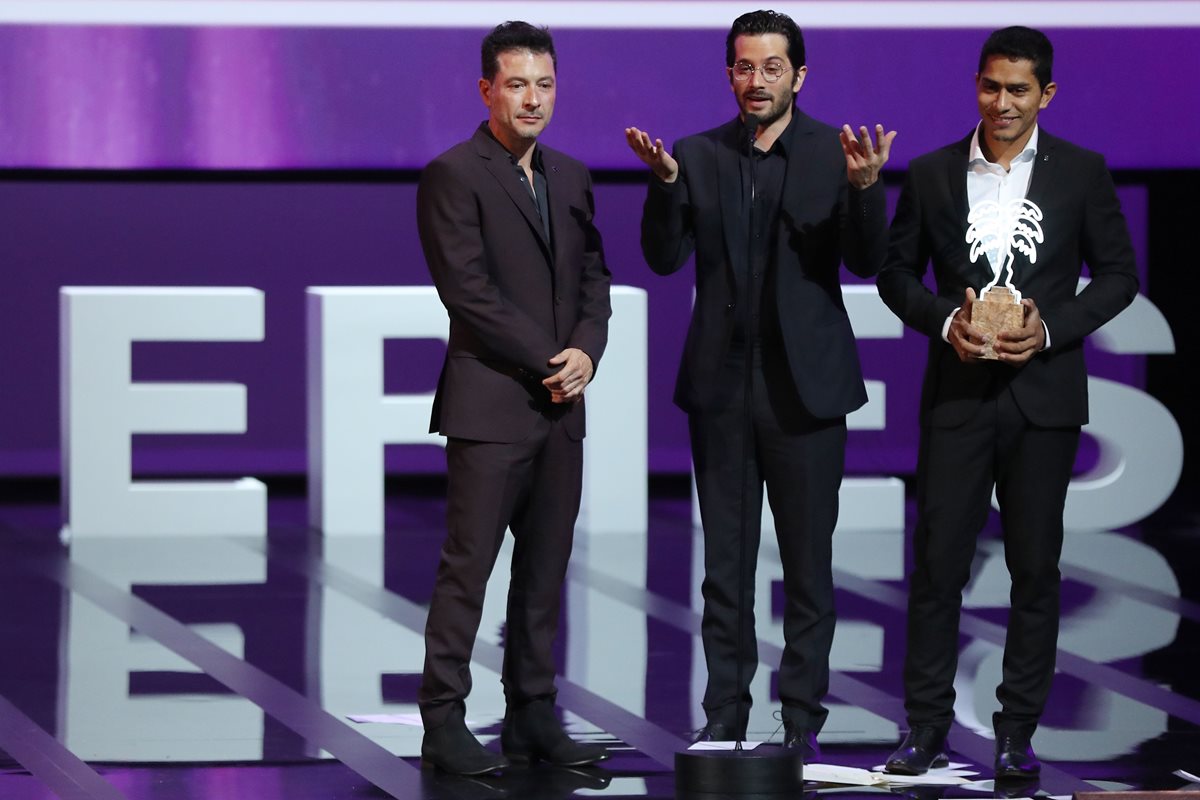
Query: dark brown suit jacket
{"x": 514, "y": 299}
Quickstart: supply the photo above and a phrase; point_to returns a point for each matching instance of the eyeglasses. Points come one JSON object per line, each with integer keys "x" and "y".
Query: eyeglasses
{"x": 771, "y": 72}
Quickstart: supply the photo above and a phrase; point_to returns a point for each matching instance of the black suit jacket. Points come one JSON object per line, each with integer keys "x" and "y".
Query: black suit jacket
{"x": 514, "y": 299}
{"x": 821, "y": 221}
{"x": 1082, "y": 222}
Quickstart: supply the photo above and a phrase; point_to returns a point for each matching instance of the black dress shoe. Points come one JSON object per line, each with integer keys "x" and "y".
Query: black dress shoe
{"x": 924, "y": 748}
{"x": 1016, "y": 787}
{"x": 533, "y": 733}
{"x": 436, "y": 783}
{"x": 1015, "y": 758}
{"x": 548, "y": 782}
{"x": 451, "y": 748}
{"x": 797, "y": 738}
{"x": 717, "y": 732}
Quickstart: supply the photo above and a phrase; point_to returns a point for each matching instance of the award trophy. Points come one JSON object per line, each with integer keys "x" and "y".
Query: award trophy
{"x": 997, "y": 230}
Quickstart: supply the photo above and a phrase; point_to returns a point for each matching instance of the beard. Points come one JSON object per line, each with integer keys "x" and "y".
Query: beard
{"x": 773, "y": 113}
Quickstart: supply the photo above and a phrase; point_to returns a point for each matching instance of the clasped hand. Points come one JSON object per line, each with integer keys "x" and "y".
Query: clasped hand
{"x": 1012, "y": 347}
{"x": 566, "y": 385}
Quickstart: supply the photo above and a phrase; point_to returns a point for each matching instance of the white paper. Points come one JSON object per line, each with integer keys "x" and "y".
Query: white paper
{"x": 953, "y": 775}
{"x": 832, "y": 773}
{"x": 953, "y": 768}
{"x": 931, "y": 778}
{"x": 723, "y": 745}
{"x": 396, "y": 719}
{"x": 387, "y": 719}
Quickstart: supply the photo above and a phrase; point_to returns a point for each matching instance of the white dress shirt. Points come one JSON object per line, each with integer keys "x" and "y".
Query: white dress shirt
{"x": 989, "y": 181}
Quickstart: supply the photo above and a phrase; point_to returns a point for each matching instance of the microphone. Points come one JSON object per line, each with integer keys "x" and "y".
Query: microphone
{"x": 750, "y": 128}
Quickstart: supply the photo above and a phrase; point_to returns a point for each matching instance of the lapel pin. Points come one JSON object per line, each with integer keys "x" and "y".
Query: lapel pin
{"x": 1046, "y": 157}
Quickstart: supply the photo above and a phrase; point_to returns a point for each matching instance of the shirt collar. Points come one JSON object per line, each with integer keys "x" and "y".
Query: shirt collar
{"x": 536, "y": 161}
{"x": 1027, "y": 154}
{"x": 784, "y": 142}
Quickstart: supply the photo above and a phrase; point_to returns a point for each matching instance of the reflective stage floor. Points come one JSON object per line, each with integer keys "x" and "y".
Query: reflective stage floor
{"x": 167, "y": 667}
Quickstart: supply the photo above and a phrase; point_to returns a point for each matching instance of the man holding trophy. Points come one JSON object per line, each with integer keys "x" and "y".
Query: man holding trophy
{"x": 1010, "y": 212}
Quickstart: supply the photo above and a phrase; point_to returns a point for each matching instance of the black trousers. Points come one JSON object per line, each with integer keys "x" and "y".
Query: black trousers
{"x": 1030, "y": 468}
{"x": 800, "y": 459}
{"x": 532, "y": 487}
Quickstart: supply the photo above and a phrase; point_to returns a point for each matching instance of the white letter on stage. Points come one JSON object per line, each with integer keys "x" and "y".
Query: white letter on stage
{"x": 350, "y": 418}
{"x": 1141, "y": 446}
{"x": 102, "y": 407}
{"x": 615, "y": 467}
{"x": 874, "y": 504}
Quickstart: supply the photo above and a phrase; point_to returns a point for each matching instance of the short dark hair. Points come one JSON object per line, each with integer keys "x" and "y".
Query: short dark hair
{"x": 759, "y": 23}
{"x": 1019, "y": 43}
{"x": 514, "y": 35}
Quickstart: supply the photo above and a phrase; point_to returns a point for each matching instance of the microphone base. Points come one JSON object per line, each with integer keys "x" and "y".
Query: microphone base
{"x": 767, "y": 771}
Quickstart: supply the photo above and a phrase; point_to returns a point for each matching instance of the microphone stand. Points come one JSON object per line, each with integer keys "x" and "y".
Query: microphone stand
{"x": 740, "y": 772}
{"x": 750, "y": 131}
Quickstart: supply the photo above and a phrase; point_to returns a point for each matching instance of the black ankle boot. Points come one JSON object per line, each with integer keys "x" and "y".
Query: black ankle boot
{"x": 532, "y": 732}
{"x": 452, "y": 748}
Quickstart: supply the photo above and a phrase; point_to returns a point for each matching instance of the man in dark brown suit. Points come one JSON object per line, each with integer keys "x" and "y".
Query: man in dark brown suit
{"x": 506, "y": 226}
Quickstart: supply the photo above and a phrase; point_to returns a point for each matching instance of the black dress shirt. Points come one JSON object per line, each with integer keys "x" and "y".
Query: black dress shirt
{"x": 756, "y": 277}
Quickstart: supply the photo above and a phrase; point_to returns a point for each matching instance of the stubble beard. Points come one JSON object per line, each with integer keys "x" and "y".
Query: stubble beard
{"x": 775, "y": 112}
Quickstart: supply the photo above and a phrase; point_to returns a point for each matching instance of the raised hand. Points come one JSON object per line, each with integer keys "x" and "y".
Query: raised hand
{"x": 652, "y": 154}
{"x": 865, "y": 159}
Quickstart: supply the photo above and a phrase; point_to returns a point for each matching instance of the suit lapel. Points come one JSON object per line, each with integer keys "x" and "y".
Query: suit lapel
{"x": 798, "y": 146}
{"x": 979, "y": 272}
{"x": 1042, "y": 177}
{"x": 497, "y": 163}
{"x": 1043, "y": 170}
{"x": 560, "y": 206}
{"x": 956, "y": 180}
{"x": 729, "y": 187}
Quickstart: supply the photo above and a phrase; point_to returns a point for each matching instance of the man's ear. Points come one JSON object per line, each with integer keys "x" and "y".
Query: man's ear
{"x": 798, "y": 81}
{"x": 1048, "y": 94}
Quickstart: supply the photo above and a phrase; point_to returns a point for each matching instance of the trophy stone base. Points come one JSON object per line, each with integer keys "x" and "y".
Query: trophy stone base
{"x": 996, "y": 310}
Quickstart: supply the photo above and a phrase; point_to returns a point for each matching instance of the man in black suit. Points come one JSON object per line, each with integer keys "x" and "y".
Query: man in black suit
{"x": 770, "y": 368}
{"x": 1011, "y": 424}
{"x": 506, "y": 226}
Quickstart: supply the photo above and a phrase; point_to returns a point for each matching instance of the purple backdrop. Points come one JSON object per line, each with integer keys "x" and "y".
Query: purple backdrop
{"x": 284, "y": 236}
{"x": 276, "y": 97}
{"x": 250, "y": 98}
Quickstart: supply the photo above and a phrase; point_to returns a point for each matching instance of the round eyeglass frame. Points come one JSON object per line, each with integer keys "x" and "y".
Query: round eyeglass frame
{"x": 741, "y": 71}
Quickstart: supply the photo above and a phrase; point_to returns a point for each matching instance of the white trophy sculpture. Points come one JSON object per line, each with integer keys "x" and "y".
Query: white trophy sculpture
{"x": 997, "y": 231}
